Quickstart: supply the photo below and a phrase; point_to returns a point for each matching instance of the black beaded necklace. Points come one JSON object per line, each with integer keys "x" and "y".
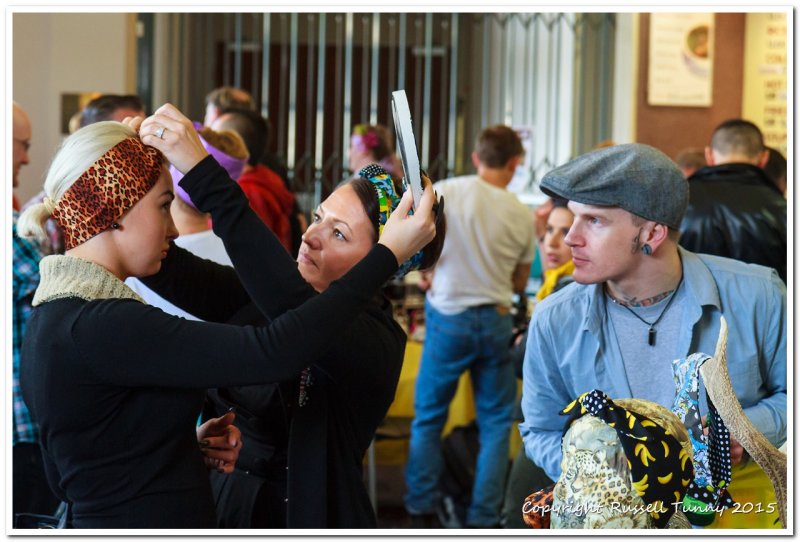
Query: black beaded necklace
{"x": 651, "y": 333}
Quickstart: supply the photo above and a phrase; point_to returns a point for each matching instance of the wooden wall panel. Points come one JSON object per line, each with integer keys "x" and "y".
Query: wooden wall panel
{"x": 671, "y": 129}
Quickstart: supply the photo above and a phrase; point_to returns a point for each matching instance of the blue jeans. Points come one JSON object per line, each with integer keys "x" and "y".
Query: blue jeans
{"x": 476, "y": 340}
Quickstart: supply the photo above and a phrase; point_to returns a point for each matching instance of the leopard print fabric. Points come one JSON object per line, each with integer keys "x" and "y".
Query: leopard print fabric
{"x": 660, "y": 468}
{"x": 595, "y": 490}
{"x": 105, "y": 191}
{"x": 537, "y": 508}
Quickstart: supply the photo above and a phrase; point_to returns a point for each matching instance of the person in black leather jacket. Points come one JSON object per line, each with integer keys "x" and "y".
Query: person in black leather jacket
{"x": 735, "y": 210}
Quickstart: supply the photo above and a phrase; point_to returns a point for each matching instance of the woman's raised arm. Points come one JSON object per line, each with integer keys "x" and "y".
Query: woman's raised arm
{"x": 267, "y": 271}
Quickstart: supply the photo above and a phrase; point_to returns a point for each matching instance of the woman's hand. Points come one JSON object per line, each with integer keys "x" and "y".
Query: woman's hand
{"x": 220, "y": 441}
{"x": 133, "y": 122}
{"x": 406, "y": 235}
{"x": 169, "y": 131}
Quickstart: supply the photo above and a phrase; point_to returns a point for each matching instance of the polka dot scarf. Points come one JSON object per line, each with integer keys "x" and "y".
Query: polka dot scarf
{"x": 660, "y": 468}
{"x": 707, "y": 492}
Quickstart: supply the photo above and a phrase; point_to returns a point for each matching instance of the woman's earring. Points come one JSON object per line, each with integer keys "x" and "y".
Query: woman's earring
{"x": 647, "y": 250}
{"x": 115, "y": 226}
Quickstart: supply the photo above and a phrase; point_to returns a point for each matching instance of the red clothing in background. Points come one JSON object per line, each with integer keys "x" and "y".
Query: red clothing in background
{"x": 270, "y": 199}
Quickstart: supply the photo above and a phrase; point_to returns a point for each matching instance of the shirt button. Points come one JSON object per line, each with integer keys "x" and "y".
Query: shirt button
{"x": 286, "y": 499}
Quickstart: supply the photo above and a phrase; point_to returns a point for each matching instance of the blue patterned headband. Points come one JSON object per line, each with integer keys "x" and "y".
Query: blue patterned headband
{"x": 387, "y": 202}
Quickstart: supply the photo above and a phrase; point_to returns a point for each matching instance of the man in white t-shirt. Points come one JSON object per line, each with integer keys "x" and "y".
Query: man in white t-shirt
{"x": 485, "y": 259}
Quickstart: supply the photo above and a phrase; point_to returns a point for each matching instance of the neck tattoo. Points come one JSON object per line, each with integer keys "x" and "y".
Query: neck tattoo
{"x": 651, "y": 333}
{"x": 635, "y": 302}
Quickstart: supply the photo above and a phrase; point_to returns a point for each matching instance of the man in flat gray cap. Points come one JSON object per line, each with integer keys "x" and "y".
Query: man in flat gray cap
{"x": 640, "y": 301}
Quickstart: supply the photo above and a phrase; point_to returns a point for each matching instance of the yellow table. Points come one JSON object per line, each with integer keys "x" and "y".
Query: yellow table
{"x": 756, "y": 506}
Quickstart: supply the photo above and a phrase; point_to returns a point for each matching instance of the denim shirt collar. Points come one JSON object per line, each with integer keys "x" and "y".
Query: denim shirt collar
{"x": 700, "y": 284}
{"x": 700, "y": 291}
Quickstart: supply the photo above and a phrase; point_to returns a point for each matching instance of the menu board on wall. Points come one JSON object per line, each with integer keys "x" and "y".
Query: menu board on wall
{"x": 681, "y": 59}
{"x": 765, "y": 60}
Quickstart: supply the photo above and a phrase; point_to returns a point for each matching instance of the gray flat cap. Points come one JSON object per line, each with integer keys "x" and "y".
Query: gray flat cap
{"x": 638, "y": 178}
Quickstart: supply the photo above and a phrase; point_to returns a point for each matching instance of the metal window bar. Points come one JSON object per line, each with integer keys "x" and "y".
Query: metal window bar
{"x": 266, "y": 34}
{"x": 237, "y": 57}
{"x": 320, "y": 117}
{"x": 363, "y": 116}
{"x": 283, "y": 87}
{"x": 525, "y": 69}
{"x": 401, "y": 48}
{"x": 391, "y": 65}
{"x": 451, "y": 141}
{"x": 348, "y": 91}
{"x": 291, "y": 142}
{"x": 425, "y": 155}
{"x": 254, "y": 79}
{"x": 487, "y": 35}
{"x": 338, "y": 96}
{"x": 226, "y": 79}
{"x": 376, "y": 47}
{"x": 304, "y": 165}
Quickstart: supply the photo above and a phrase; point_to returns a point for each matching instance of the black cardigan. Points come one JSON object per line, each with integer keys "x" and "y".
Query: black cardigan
{"x": 117, "y": 385}
{"x": 353, "y": 383}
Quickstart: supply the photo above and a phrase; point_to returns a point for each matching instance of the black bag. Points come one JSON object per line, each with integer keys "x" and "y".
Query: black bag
{"x": 460, "y": 454}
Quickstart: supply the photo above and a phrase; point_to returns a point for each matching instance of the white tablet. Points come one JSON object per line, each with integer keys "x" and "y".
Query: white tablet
{"x": 406, "y": 144}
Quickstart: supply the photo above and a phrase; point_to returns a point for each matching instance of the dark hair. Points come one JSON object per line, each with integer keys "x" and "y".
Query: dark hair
{"x": 368, "y": 197}
{"x": 775, "y": 168}
{"x": 103, "y": 107}
{"x": 496, "y": 145}
{"x": 253, "y": 128}
{"x": 559, "y": 202}
{"x": 738, "y": 136}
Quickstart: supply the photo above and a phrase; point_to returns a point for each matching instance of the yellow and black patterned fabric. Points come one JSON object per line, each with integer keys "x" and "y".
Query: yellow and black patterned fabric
{"x": 388, "y": 200}
{"x": 661, "y": 470}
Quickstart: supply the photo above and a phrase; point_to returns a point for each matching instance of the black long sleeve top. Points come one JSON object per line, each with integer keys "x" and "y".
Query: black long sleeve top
{"x": 352, "y": 383}
{"x": 117, "y": 385}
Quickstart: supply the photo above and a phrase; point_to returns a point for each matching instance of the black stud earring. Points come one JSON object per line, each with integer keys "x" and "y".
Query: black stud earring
{"x": 115, "y": 226}
{"x": 647, "y": 250}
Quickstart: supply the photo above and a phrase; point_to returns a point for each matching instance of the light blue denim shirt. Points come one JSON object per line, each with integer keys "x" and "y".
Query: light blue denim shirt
{"x": 571, "y": 349}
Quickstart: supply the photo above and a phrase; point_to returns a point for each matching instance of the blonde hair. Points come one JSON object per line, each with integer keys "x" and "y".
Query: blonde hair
{"x": 227, "y": 141}
{"x": 78, "y": 151}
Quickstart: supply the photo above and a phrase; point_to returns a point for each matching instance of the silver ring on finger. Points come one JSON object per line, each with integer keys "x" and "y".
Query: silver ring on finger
{"x": 160, "y": 132}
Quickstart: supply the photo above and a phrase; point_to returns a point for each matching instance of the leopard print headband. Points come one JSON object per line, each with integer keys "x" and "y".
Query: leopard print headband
{"x": 105, "y": 191}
